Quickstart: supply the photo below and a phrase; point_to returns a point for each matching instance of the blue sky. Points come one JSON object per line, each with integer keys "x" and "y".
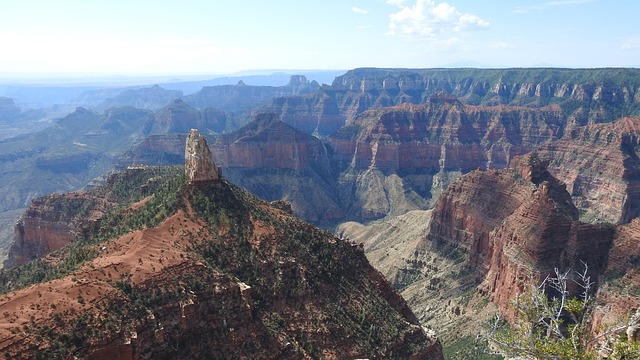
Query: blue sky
{"x": 215, "y": 37}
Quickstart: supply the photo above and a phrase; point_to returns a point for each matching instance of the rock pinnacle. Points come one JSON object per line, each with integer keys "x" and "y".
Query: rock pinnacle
{"x": 198, "y": 165}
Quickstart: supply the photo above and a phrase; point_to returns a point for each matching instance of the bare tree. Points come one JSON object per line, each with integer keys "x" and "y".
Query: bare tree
{"x": 550, "y": 323}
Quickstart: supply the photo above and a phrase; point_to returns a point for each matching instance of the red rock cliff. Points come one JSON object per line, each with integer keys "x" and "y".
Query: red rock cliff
{"x": 51, "y": 222}
{"x": 600, "y": 165}
{"x": 515, "y": 226}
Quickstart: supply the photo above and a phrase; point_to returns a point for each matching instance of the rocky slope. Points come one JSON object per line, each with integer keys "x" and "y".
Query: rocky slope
{"x": 599, "y": 164}
{"x": 52, "y": 221}
{"x": 203, "y": 270}
{"x": 437, "y": 285}
{"x": 618, "y": 295}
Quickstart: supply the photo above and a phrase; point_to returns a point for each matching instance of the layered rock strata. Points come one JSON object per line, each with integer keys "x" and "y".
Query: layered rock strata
{"x": 275, "y": 161}
{"x": 600, "y": 165}
{"x": 515, "y": 228}
{"x": 589, "y": 96}
{"x": 399, "y": 158}
{"x": 50, "y": 223}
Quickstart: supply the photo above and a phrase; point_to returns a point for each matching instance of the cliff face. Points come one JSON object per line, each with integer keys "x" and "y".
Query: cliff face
{"x": 415, "y": 151}
{"x": 599, "y": 163}
{"x": 181, "y": 271}
{"x": 50, "y": 223}
{"x": 515, "y": 227}
{"x": 588, "y": 96}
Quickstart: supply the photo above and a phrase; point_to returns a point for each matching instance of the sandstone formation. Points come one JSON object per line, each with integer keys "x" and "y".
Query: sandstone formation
{"x": 515, "y": 227}
{"x": 50, "y": 223}
{"x": 199, "y": 166}
{"x": 203, "y": 271}
{"x": 599, "y": 164}
{"x": 397, "y": 159}
{"x": 588, "y": 95}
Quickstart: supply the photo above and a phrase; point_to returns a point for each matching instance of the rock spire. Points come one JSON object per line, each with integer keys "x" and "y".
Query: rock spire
{"x": 198, "y": 165}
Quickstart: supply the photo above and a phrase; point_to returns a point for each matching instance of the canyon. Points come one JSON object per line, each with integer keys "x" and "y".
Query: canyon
{"x": 490, "y": 235}
{"x": 462, "y": 186}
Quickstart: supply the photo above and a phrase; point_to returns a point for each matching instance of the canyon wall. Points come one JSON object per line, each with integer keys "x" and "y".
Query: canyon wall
{"x": 515, "y": 227}
{"x": 599, "y": 164}
{"x": 586, "y": 95}
{"x": 401, "y": 158}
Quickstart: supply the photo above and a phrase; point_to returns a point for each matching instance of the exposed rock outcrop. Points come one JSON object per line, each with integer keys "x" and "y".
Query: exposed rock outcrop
{"x": 396, "y": 159}
{"x": 590, "y": 96}
{"x": 199, "y": 166}
{"x": 515, "y": 227}
{"x": 50, "y": 223}
{"x": 618, "y": 296}
{"x": 601, "y": 167}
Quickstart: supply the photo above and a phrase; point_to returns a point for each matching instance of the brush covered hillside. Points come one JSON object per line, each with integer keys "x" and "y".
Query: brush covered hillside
{"x": 191, "y": 266}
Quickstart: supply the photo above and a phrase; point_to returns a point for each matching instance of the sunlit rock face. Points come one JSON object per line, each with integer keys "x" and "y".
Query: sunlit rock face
{"x": 199, "y": 168}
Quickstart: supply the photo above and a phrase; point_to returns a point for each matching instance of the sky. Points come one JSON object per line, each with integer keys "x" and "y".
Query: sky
{"x": 147, "y": 37}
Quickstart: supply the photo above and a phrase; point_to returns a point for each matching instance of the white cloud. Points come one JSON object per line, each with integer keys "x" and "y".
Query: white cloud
{"x": 471, "y": 22}
{"x": 501, "y": 45}
{"x": 358, "y": 10}
{"x": 425, "y": 18}
{"x": 631, "y": 43}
